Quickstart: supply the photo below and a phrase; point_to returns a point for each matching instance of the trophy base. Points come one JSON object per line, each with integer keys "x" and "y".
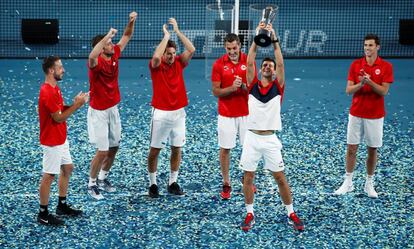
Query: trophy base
{"x": 262, "y": 40}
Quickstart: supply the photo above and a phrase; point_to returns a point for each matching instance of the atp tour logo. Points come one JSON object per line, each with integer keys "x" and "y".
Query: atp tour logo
{"x": 377, "y": 71}
{"x": 291, "y": 41}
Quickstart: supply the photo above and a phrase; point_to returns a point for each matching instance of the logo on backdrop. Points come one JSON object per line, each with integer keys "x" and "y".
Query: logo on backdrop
{"x": 291, "y": 41}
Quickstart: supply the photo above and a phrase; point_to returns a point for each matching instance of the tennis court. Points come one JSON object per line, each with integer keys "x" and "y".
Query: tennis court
{"x": 314, "y": 116}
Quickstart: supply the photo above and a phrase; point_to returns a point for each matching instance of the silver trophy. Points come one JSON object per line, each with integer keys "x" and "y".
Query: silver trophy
{"x": 263, "y": 36}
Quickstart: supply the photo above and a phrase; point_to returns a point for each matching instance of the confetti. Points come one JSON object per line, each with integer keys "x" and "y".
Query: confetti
{"x": 314, "y": 136}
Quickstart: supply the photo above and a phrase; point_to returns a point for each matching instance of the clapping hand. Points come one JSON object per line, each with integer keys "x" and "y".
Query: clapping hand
{"x": 173, "y": 22}
{"x": 133, "y": 16}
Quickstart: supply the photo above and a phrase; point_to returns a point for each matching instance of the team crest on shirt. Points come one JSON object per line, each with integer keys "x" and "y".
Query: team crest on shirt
{"x": 226, "y": 68}
{"x": 243, "y": 67}
{"x": 377, "y": 71}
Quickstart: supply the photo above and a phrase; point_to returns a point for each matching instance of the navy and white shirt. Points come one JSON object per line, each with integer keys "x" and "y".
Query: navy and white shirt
{"x": 264, "y": 107}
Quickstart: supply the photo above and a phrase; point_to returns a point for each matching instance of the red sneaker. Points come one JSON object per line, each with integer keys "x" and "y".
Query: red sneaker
{"x": 226, "y": 193}
{"x": 248, "y": 222}
{"x": 296, "y": 222}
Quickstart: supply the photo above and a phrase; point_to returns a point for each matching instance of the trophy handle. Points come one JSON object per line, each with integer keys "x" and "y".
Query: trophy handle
{"x": 272, "y": 16}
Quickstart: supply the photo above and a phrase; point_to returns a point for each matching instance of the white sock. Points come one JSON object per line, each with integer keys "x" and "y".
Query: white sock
{"x": 153, "y": 178}
{"x": 103, "y": 174}
{"x": 92, "y": 182}
{"x": 249, "y": 208}
{"x": 370, "y": 178}
{"x": 173, "y": 177}
{"x": 289, "y": 209}
{"x": 348, "y": 177}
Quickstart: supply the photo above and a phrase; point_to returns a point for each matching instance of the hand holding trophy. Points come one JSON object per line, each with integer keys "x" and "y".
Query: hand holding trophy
{"x": 263, "y": 36}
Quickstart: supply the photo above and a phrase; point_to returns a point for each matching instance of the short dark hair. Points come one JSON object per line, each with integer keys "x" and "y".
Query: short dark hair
{"x": 97, "y": 39}
{"x": 171, "y": 44}
{"x": 231, "y": 37}
{"x": 372, "y": 37}
{"x": 49, "y": 62}
{"x": 268, "y": 59}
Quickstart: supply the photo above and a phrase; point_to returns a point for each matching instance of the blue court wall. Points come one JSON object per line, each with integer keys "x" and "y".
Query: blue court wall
{"x": 320, "y": 28}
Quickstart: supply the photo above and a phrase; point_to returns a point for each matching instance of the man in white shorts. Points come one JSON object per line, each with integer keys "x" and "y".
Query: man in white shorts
{"x": 53, "y": 130}
{"x": 369, "y": 80}
{"x": 104, "y": 123}
{"x": 168, "y": 101}
{"x": 265, "y": 98}
{"x": 227, "y": 77}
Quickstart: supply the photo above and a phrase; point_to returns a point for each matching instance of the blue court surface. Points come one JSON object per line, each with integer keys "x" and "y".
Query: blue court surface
{"x": 315, "y": 112}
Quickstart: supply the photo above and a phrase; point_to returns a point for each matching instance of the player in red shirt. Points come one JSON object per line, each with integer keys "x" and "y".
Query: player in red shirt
{"x": 168, "y": 101}
{"x": 104, "y": 123}
{"x": 369, "y": 80}
{"x": 56, "y": 155}
{"x": 228, "y": 76}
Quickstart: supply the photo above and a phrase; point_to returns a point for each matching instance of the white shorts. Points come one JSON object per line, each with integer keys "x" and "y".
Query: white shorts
{"x": 104, "y": 128}
{"x": 363, "y": 129}
{"x": 54, "y": 157}
{"x": 167, "y": 127}
{"x": 257, "y": 146}
{"x": 228, "y": 128}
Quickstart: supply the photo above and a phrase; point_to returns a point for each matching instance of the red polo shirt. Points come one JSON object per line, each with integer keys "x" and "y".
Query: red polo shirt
{"x": 51, "y": 101}
{"x": 365, "y": 102}
{"x": 224, "y": 71}
{"x": 168, "y": 86}
{"x": 103, "y": 81}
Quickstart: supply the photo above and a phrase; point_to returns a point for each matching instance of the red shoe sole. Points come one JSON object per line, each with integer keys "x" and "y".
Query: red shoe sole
{"x": 225, "y": 196}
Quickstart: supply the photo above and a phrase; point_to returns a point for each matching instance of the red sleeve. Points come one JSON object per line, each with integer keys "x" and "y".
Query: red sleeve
{"x": 152, "y": 69}
{"x": 97, "y": 67}
{"x": 388, "y": 73}
{"x": 351, "y": 74}
{"x": 254, "y": 82}
{"x": 216, "y": 72}
{"x": 117, "y": 51}
{"x": 50, "y": 102}
{"x": 183, "y": 64}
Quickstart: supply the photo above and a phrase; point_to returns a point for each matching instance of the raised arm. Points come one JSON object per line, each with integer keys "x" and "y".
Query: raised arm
{"x": 280, "y": 65}
{"x": 189, "y": 47}
{"x": 159, "y": 51}
{"x": 78, "y": 102}
{"x": 251, "y": 59}
{"x": 129, "y": 30}
{"x": 96, "y": 51}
